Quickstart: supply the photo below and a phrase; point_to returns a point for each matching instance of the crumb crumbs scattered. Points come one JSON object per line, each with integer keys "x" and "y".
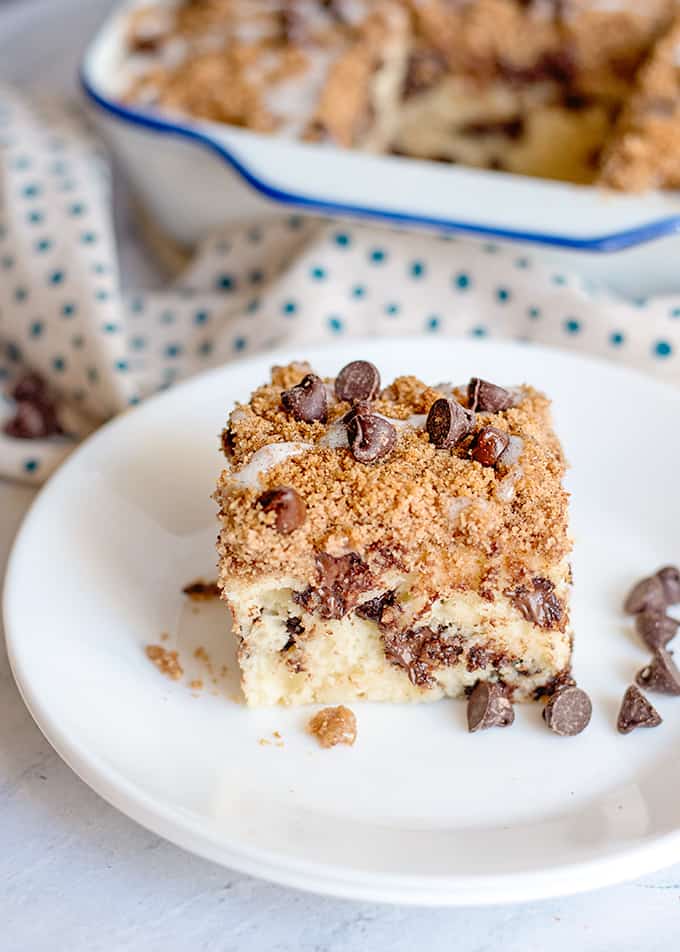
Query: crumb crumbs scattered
{"x": 166, "y": 661}
{"x": 334, "y": 725}
{"x": 200, "y": 591}
{"x": 196, "y": 684}
{"x": 263, "y": 742}
{"x": 276, "y": 734}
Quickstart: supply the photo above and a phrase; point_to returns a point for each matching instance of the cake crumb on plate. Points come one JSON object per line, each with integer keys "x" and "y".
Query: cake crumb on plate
{"x": 166, "y": 661}
{"x": 334, "y": 725}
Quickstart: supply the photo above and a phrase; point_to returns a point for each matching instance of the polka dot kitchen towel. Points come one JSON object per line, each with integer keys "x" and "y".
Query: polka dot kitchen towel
{"x": 74, "y": 350}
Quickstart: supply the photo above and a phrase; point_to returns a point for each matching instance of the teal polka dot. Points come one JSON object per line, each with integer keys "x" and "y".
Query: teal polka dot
{"x": 256, "y": 276}
{"x": 76, "y": 209}
{"x": 675, "y": 312}
{"x": 56, "y": 277}
{"x": 173, "y": 350}
{"x": 31, "y": 465}
{"x": 559, "y": 279}
{"x": 392, "y": 308}
{"x": 295, "y": 222}
{"x": 479, "y": 331}
{"x": 102, "y": 295}
{"x": 342, "y": 239}
{"x": 99, "y": 268}
{"x": 133, "y": 400}
{"x": 68, "y": 309}
{"x": 253, "y": 305}
{"x": 7, "y": 262}
{"x": 205, "y": 348}
{"x": 137, "y": 305}
{"x": 433, "y": 323}
{"x": 616, "y": 338}
{"x": 490, "y": 248}
{"x": 88, "y": 238}
{"x": 317, "y": 273}
{"x": 35, "y": 218}
{"x": 503, "y": 295}
{"x": 572, "y": 325}
{"x": 640, "y": 301}
{"x": 13, "y": 352}
{"x": 110, "y": 328}
{"x": 68, "y": 185}
{"x": 462, "y": 281}
{"x": 358, "y": 291}
{"x": 201, "y": 317}
{"x": 335, "y": 324}
{"x": 534, "y": 313}
{"x": 93, "y": 375}
{"x": 225, "y": 282}
{"x": 122, "y": 365}
{"x": 289, "y": 307}
{"x": 58, "y": 168}
{"x": 522, "y": 263}
{"x": 662, "y": 349}
{"x": 77, "y": 341}
{"x": 417, "y": 269}
{"x": 20, "y": 294}
{"x": 44, "y": 244}
{"x": 22, "y": 163}
{"x": 240, "y": 344}
{"x": 59, "y": 364}
{"x": 32, "y": 190}
{"x": 377, "y": 256}
{"x": 138, "y": 343}
{"x": 36, "y": 328}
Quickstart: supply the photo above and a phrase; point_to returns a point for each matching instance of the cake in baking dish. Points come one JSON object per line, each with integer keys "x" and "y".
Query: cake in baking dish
{"x": 393, "y": 544}
{"x": 528, "y": 86}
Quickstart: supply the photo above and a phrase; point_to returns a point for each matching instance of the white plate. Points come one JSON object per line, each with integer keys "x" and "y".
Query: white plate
{"x": 419, "y": 811}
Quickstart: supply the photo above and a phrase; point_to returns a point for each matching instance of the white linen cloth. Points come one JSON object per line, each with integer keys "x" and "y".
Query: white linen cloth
{"x": 297, "y": 281}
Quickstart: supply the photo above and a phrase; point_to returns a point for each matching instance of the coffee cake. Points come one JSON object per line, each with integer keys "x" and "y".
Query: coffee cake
{"x": 396, "y": 543}
{"x": 527, "y": 86}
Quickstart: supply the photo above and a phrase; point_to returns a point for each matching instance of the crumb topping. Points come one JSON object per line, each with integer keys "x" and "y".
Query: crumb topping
{"x": 334, "y": 725}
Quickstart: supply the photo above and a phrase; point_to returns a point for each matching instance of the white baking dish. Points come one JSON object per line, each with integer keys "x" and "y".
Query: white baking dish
{"x": 195, "y": 175}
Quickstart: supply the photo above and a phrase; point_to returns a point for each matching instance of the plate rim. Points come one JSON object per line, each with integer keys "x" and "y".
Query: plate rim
{"x": 326, "y": 879}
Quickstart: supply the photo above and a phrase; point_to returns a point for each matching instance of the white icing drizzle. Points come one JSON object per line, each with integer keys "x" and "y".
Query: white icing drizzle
{"x": 506, "y": 487}
{"x": 335, "y": 437}
{"x": 511, "y": 455}
{"x": 416, "y": 421}
{"x": 263, "y": 459}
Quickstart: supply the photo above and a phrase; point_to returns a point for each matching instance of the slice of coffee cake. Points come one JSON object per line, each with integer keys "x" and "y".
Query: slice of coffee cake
{"x": 396, "y": 544}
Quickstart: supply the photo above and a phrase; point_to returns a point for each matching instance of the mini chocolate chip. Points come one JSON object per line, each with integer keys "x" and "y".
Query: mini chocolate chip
{"x": 359, "y": 380}
{"x": 488, "y": 707}
{"x": 307, "y": 400}
{"x": 448, "y": 422}
{"x": 636, "y": 711}
{"x": 646, "y": 594}
{"x": 370, "y": 437}
{"x": 289, "y": 507}
{"x": 669, "y": 576}
{"x": 655, "y": 628}
{"x": 660, "y": 675}
{"x": 486, "y": 397}
{"x": 489, "y": 444}
{"x": 568, "y": 712}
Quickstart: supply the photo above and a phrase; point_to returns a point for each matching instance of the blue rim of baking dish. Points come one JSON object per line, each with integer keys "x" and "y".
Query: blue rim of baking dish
{"x": 615, "y": 241}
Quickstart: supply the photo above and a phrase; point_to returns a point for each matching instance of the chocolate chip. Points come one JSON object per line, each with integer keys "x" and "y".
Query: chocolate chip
{"x": 448, "y": 422}
{"x": 660, "y": 675}
{"x": 636, "y": 711}
{"x": 307, "y": 400}
{"x": 340, "y": 582}
{"x": 359, "y": 380}
{"x": 489, "y": 444}
{"x": 288, "y": 505}
{"x": 645, "y": 595}
{"x": 486, "y": 397}
{"x": 669, "y": 577}
{"x": 538, "y": 604}
{"x": 655, "y": 628}
{"x": 423, "y": 70}
{"x": 372, "y": 609}
{"x": 420, "y": 651}
{"x": 568, "y": 712}
{"x": 370, "y": 437}
{"x": 488, "y": 707}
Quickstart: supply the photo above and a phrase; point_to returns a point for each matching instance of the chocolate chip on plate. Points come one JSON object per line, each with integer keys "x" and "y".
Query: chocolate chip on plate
{"x": 359, "y": 380}
{"x": 288, "y": 505}
{"x": 489, "y": 445}
{"x": 568, "y": 712}
{"x": 660, "y": 675}
{"x": 669, "y": 576}
{"x": 448, "y": 422}
{"x": 370, "y": 437}
{"x": 636, "y": 711}
{"x": 647, "y": 594}
{"x": 308, "y": 400}
{"x": 488, "y": 707}
{"x": 486, "y": 397}
{"x": 655, "y": 628}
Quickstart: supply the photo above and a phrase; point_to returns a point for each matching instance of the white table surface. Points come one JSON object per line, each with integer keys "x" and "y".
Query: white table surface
{"x": 76, "y": 875}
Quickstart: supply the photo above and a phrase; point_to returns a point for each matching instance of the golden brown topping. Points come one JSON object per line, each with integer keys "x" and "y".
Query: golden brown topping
{"x": 166, "y": 661}
{"x": 334, "y": 725}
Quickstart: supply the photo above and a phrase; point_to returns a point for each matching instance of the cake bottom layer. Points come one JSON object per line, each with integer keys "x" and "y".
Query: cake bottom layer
{"x": 289, "y": 656}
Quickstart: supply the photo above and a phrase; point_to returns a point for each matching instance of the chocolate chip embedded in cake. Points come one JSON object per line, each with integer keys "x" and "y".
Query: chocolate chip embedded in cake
{"x": 391, "y": 544}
